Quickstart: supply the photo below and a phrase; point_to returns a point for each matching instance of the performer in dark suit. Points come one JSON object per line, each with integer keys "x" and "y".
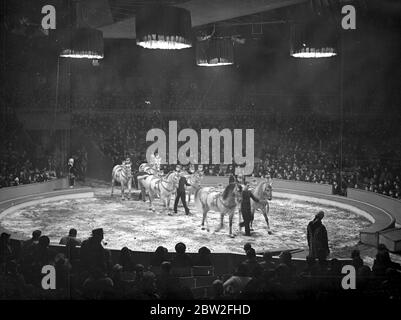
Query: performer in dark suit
{"x": 181, "y": 193}
{"x": 246, "y": 208}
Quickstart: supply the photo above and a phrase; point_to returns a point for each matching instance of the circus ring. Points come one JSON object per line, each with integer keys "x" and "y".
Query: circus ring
{"x": 54, "y": 208}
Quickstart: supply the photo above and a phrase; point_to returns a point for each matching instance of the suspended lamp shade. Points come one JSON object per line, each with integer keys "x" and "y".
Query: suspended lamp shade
{"x": 163, "y": 27}
{"x": 313, "y": 40}
{"x": 83, "y": 43}
{"x": 215, "y": 52}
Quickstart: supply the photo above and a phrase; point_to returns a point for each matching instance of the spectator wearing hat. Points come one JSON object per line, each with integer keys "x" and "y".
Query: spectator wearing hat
{"x": 317, "y": 238}
{"x": 181, "y": 193}
{"x": 181, "y": 259}
{"x": 93, "y": 255}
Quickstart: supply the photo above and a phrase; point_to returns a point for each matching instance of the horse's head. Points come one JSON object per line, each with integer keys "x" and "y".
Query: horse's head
{"x": 268, "y": 190}
{"x": 127, "y": 168}
{"x": 173, "y": 177}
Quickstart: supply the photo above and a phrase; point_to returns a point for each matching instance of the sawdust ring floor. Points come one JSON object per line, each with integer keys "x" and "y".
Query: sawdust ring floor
{"x": 130, "y": 223}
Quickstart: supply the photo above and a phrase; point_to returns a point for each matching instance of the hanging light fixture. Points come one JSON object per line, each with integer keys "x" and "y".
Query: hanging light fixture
{"x": 81, "y": 41}
{"x": 313, "y": 40}
{"x": 215, "y": 52}
{"x": 163, "y": 27}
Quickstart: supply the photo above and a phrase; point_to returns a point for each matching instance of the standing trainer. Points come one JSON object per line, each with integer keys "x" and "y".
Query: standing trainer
{"x": 317, "y": 238}
{"x": 181, "y": 193}
{"x": 246, "y": 208}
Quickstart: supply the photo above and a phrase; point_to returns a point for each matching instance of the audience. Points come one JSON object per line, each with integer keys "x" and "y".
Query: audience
{"x": 90, "y": 276}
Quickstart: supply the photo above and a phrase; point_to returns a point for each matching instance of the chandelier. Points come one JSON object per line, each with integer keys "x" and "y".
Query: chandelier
{"x": 215, "y": 52}
{"x": 313, "y": 40}
{"x": 163, "y": 27}
{"x": 83, "y": 43}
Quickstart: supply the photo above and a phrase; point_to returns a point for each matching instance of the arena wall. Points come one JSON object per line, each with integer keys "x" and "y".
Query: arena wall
{"x": 34, "y": 188}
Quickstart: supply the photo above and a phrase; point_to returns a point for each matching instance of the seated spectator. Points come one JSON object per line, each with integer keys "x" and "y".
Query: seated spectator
{"x": 235, "y": 284}
{"x": 247, "y": 246}
{"x": 383, "y": 261}
{"x": 363, "y": 278}
{"x": 71, "y": 243}
{"x": 217, "y": 290}
{"x": 251, "y": 263}
{"x": 285, "y": 257}
{"x": 42, "y": 254}
{"x": 27, "y": 245}
{"x": 203, "y": 257}
{"x": 167, "y": 284}
{"x": 71, "y": 239}
{"x": 125, "y": 260}
{"x": 159, "y": 256}
{"x": 312, "y": 269}
{"x": 267, "y": 263}
{"x": 357, "y": 261}
{"x": 63, "y": 269}
{"x": 181, "y": 259}
{"x": 93, "y": 255}
{"x": 6, "y": 252}
{"x": 139, "y": 270}
{"x": 148, "y": 289}
{"x": 97, "y": 285}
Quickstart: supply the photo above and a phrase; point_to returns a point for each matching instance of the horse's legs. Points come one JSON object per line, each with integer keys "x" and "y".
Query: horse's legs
{"x": 204, "y": 218}
{"x": 151, "y": 201}
{"x": 112, "y": 186}
{"x": 129, "y": 188}
{"x": 221, "y": 222}
{"x": 122, "y": 191}
{"x": 252, "y": 218}
{"x": 265, "y": 210}
{"x": 231, "y": 216}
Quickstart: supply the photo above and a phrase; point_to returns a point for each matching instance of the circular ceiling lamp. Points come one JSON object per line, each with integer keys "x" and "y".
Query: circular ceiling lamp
{"x": 313, "y": 40}
{"x": 80, "y": 41}
{"x": 83, "y": 43}
{"x": 215, "y": 52}
{"x": 163, "y": 27}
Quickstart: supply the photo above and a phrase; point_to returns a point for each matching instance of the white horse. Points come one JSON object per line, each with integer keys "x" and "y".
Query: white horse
{"x": 263, "y": 191}
{"x": 208, "y": 198}
{"x": 194, "y": 180}
{"x": 154, "y": 186}
{"x": 148, "y": 168}
{"x": 122, "y": 174}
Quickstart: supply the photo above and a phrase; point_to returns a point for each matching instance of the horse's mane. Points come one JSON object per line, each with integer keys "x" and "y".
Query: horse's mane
{"x": 229, "y": 189}
{"x": 259, "y": 186}
{"x": 169, "y": 173}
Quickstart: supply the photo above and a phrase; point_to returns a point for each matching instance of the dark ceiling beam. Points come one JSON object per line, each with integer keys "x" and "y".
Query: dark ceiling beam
{"x": 203, "y": 12}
